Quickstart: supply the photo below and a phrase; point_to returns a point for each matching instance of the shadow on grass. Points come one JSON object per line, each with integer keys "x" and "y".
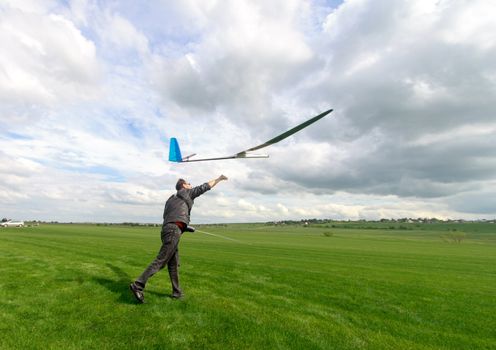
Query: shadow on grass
{"x": 119, "y": 286}
{"x": 159, "y": 294}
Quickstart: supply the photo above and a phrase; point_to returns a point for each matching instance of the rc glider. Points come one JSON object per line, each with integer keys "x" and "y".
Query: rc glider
{"x": 175, "y": 152}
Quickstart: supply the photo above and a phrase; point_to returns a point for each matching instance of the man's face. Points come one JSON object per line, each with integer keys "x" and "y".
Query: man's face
{"x": 187, "y": 186}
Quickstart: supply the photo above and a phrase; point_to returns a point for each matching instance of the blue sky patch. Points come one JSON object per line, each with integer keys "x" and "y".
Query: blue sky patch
{"x": 16, "y": 136}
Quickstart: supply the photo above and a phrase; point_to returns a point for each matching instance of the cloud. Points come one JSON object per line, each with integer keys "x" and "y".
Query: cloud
{"x": 246, "y": 53}
{"x": 46, "y": 61}
{"x": 475, "y": 202}
{"x": 406, "y": 97}
{"x": 91, "y": 92}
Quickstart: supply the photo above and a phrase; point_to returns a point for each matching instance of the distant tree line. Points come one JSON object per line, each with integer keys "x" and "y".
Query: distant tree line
{"x": 308, "y": 222}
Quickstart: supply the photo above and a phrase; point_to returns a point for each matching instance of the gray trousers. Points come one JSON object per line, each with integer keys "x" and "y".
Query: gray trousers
{"x": 167, "y": 255}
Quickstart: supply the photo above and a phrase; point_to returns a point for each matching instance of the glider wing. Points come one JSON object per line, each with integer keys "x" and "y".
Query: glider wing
{"x": 175, "y": 152}
{"x": 289, "y": 132}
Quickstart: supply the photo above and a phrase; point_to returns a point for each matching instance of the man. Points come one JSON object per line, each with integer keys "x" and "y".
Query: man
{"x": 176, "y": 219}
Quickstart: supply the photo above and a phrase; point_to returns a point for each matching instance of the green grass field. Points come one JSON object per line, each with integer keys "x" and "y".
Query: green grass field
{"x": 289, "y": 287}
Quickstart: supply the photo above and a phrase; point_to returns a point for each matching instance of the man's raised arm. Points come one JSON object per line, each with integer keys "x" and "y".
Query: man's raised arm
{"x": 199, "y": 190}
{"x": 214, "y": 182}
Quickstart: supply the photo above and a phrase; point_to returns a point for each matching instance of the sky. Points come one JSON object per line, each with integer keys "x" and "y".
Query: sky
{"x": 91, "y": 91}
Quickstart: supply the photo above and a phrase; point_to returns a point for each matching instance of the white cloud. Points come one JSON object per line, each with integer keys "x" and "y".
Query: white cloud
{"x": 245, "y": 53}
{"x": 33, "y": 6}
{"x": 45, "y": 61}
{"x": 120, "y": 34}
{"x": 283, "y": 209}
{"x": 472, "y": 26}
{"x": 247, "y": 206}
{"x": 91, "y": 91}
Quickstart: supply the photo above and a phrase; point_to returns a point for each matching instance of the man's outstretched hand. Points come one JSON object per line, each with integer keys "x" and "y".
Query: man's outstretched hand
{"x": 212, "y": 183}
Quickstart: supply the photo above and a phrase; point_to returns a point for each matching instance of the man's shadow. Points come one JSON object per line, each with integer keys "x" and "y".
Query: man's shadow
{"x": 120, "y": 286}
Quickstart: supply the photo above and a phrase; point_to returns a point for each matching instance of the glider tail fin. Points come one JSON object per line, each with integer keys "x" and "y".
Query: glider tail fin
{"x": 174, "y": 151}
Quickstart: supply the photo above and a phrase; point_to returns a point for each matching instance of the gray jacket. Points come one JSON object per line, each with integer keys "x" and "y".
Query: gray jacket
{"x": 178, "y": 206}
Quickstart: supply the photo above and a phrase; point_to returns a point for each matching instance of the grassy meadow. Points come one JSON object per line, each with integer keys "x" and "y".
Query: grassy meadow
{"x": 343, "y": 286}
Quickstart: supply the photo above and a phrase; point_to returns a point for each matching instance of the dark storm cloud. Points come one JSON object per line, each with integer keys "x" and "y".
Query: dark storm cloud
{"x": 392, "y": 167}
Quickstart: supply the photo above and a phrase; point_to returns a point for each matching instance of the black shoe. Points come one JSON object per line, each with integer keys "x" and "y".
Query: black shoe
{"x": 138, "y": 294}
{"x": 176, "y": 296}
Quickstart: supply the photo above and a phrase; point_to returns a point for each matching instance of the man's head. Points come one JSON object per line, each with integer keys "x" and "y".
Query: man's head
{"x": 181, "y": 183}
